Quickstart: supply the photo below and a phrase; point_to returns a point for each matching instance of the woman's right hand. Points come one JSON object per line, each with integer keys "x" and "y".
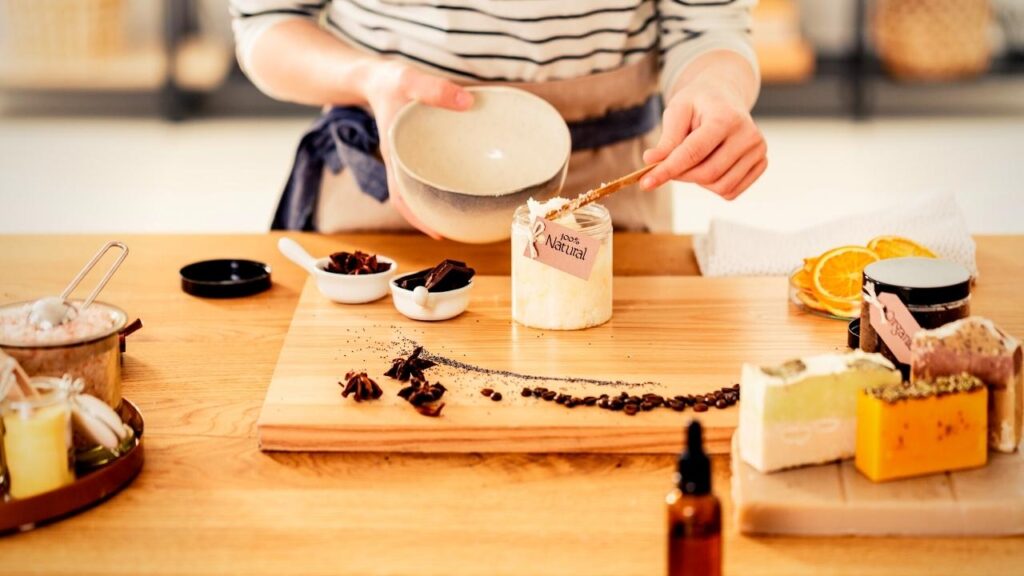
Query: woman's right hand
{"x": 389, "y": 87}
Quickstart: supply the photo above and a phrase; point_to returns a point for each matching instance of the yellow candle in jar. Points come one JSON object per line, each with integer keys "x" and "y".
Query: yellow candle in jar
{"x": 36, "y": 447}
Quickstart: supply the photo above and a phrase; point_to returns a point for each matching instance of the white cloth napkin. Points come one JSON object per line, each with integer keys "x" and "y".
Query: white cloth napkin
{"x": 934, "y": 220}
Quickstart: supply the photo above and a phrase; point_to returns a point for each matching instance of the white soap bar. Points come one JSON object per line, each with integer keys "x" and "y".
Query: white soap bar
{"x": 805, "y": 411}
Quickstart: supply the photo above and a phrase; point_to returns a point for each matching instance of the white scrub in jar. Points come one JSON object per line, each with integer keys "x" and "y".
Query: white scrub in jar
{"x": 546, "y": 297}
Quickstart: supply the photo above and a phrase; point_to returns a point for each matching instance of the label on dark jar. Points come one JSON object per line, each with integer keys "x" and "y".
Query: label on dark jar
{"x": 568, "y": 250}
{"x": 894, "y": 324}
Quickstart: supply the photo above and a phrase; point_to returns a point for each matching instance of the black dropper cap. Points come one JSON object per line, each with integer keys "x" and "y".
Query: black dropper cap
{"x": 694, "y": 469}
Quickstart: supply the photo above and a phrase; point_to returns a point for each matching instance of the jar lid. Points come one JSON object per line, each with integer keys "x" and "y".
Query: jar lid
{"x": 920, "y": 281}
{"x": 226, "y": 278}
{"x": 853, "y": 334}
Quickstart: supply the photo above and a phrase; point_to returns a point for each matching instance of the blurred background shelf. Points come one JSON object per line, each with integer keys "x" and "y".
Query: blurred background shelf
{"x": 174, "y": 58}
{"x": 201, "y": 65}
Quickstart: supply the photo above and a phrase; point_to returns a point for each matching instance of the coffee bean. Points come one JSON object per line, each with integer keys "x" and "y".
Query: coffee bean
{"x": 486, "y": 391}
{"x": 496, "y": 396}
{"x": 721, "y": 404}
{"x": 550, "y": 395}
{"x": 603, "y": 404}
{"x": 527, "y": 392}
{"x": 736, "y": 387}
{"x": 631, "y": 409}
{"x": 647, "y": 406}
{"x": 677, "y": 405}
{"x": 700, "y": 407}
{"x": 635, "y": 399}
{"x": 616, "y": 404}
{"x": 602, "y": 397}
{"x": 590, "y": 400}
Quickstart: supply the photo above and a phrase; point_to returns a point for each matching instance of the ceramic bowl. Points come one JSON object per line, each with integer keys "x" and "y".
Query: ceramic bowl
{"x": 464, "y": 173}
{"x": 420, "y": 304}
{"x": 352, "y": 288}
{"x": 343, "y": 288}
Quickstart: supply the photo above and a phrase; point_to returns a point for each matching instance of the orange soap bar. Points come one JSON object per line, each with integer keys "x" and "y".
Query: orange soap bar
{"x": 919, "y": 435}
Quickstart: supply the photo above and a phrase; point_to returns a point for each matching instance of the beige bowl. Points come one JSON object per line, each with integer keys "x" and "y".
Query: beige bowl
{"x": 464, "y": 173}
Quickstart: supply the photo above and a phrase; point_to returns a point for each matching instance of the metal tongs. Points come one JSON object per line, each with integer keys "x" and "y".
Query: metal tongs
{"x": 53, "y": 311}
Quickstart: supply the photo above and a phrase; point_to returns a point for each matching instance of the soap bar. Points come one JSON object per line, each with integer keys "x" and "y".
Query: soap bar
{"x": 906, "y": 430}
{"x": 976, "y": 346}
{"x": 804, "y": 411}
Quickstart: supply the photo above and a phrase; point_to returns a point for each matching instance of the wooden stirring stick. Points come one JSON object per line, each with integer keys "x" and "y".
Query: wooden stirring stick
{"x": 599, "y": 192}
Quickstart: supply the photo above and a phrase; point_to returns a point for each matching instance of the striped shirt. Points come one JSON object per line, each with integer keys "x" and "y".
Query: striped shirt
{"x": 517, "y": 40}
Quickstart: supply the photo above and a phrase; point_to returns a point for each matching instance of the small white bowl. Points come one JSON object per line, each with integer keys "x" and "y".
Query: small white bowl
{"x": 421, "y": 304}
{"x": 343, "y": 288}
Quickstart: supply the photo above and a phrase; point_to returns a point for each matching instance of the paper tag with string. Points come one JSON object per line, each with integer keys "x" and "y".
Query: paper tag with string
{"x": 893, "y": 323}
{"x": 568, "y": 250}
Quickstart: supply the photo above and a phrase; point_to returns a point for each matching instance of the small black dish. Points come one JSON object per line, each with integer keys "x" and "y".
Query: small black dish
{"x": 225, "y": 278}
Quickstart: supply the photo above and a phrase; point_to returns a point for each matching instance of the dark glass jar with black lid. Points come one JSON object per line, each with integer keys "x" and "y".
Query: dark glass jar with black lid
{"x": 935, "y": 292}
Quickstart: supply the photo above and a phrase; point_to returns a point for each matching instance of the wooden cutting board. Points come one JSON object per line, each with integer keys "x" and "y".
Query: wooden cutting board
{"x": 836, "y": 500}
{"x": 679, "y": 335}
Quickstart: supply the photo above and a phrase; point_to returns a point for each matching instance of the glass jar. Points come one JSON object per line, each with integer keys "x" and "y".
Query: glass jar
{"x": 548, "y": 298}
{"x": 935, "y": 292}
{"x": 37, "y": 442}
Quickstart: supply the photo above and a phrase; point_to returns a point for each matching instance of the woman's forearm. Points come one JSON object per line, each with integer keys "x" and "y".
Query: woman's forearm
{"x": 297, "y": 61}
{"x": 728, "y": 71}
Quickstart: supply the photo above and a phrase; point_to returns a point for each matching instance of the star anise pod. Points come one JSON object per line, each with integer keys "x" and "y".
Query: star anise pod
{"x": 432, "y": 410}
{"x": 361, "y": 386}
{"x": 405, "y": 368}
{"x": 423, "y": 395}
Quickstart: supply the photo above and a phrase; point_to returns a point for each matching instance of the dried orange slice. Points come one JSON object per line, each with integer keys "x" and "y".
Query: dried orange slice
{"x": 810, "y": 301}
{"x": 898, "y": 247}
{"x": 836, "y": 277}
{"x": 801, "y": 279}
{"x": 851, "y": 311}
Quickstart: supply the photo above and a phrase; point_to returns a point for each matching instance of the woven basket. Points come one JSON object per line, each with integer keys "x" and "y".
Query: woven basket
{"x": 933, "y": 39}
{"x": 63, "y": 28}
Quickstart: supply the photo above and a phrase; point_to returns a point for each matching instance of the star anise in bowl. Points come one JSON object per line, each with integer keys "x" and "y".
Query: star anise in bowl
{"x": 361, "y": 386}
{"x": 356, "y": 263}
{"x": 405, "y": 368}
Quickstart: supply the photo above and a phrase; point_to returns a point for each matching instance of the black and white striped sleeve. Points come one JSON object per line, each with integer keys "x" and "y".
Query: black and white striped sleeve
{"x": 250, "y": 18}
{"x": 690, "y": 28}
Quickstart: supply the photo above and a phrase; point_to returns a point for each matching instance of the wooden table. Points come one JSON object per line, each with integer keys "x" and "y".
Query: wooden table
{"x": 209, "y": 502}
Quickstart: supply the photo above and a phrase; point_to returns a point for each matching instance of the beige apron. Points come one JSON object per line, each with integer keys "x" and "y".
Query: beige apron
{"x": 342, "y": 207}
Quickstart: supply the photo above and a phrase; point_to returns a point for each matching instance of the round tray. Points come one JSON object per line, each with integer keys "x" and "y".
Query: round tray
{"x": 86, "y": 491}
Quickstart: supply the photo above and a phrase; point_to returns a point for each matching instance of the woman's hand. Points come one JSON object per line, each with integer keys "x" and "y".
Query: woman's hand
{"x": 389, "y": 87}
{"x": 708, "y": 138}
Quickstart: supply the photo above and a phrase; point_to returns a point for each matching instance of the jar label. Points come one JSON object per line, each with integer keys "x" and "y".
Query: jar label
{"x": 568, "y": 250}
{"x": 894, "y": 324}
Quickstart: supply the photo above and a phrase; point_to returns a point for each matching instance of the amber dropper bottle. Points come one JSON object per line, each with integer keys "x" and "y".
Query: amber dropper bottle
{"x": 694, "y": 514}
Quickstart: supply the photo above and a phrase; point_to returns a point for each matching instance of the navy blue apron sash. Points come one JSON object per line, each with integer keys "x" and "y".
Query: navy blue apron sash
{"x": 347, "y": 137}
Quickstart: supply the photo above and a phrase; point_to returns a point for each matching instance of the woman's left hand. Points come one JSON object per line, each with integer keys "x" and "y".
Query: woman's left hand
{"x": 708, "y": 138}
